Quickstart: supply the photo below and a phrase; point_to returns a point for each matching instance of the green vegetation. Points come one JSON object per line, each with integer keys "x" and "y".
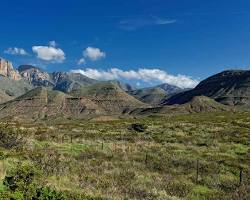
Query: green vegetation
{"x": 192, "y": 156}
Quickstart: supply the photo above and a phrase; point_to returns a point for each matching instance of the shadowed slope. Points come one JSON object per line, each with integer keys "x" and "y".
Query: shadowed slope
{"x": 196, "y": 105}
{"x": 229, "y": 87}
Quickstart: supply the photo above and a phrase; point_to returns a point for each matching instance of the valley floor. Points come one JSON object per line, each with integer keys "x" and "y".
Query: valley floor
{"x": 193, "y": 156}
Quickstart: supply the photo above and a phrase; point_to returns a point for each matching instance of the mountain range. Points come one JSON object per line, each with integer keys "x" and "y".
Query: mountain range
{"x": 29, "y": 92}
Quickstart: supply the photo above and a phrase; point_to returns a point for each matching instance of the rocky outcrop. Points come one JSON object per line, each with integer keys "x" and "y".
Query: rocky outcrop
{"x": 62, "y": 81}
{"x": 7, "y": 70}
{"x": 35, "y": 76}
{"x": 66, "y": 82}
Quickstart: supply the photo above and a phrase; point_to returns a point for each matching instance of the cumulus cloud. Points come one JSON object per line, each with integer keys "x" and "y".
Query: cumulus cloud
{"x": 93, "y": 53}
{"x": 142, "y": 74}
{"x": 52, "y": 43}
{"x": 81, "y": 61}
{"x": 16, "y": 51}
{"x": 49, "y": 53}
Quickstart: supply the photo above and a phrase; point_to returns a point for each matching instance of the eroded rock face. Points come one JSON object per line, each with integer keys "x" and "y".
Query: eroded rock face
{"x": 35, "y": 76}
{"x": 7, "y": 70}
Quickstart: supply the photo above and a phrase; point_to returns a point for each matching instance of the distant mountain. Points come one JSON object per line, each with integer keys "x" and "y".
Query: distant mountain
{"x": 66, "y": 82}
{"x": 35, "y": 76}
{"x": 32, "y": 93}
{"x": 62, "y": 81}
{"x": 154, "y": 95}
{"x": 151, "y": 96}
{"x": 230, "y": 87}
{"x": 171, "y": 89}
{"x": 125, "y": 86}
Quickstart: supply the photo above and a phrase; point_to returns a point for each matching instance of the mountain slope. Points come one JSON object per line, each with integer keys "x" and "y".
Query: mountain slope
{"x": 66, "y": 82}
{"x": 196, "y": 105}
{"x": 230, "y": 87}
{"x": 9, "y": 88}
{"x": 151, "y": 96}
{"x": 35, "y": 76}
{"x": 110, "y": 96}
{"x": 62, "y": 81}
{"x": 170, "y": 89}
{"x": 43, "y": 103}
{"x": 154, "y": 95}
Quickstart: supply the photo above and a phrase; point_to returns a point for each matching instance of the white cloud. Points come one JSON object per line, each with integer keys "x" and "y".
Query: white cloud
{"x": 142, "y": 74}
{"x": 16, "y": 51}
{"x": 49, "y": 53}
{"x": 52, "y": 43}
{"x": 93, "y": 53}
{"x": 135, "y": 23}
{"x": 81, "y": 61}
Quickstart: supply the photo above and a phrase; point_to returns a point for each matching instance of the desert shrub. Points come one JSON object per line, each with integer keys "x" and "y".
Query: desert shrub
{"x": 138, "y": 127}
{"x": 11, "y": 138}
{"x": 50, "y": 162}
{"x": 179, "y": 188}
{"x": 228, "y": 183}
{"x": 242, "y": 193}
{"x": 33, "y": 192}
{"x": 19, "y": 177}
{"x": 2, "y": 155}
{"x": 21, "y": 185}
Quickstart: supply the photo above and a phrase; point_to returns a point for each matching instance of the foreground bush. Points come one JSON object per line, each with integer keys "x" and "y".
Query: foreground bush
{"x": 21, "y": 185}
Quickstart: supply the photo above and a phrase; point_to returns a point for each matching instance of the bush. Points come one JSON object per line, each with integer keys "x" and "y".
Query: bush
{"x": 20, "y": 184}
{"x": 10, "y": 138}
{"x": 19, "y": 177}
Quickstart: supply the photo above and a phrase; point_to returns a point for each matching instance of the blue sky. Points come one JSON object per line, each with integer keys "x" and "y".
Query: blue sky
{"x": 194, "y": 38}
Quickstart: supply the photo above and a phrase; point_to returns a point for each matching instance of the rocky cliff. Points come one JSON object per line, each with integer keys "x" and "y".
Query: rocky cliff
{"x": 35, "y": 76}
{"x": 7, "y": 70}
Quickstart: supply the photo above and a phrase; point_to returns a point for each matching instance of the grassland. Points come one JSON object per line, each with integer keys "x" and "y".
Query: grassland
{"x": 193, "y": 156}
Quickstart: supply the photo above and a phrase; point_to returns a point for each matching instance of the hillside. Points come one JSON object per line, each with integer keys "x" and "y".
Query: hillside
{"x": 151, "y": 96}
{"x": 154, "y": 95}
{"x": 198, "y": 104}
{"x": 62, "y": 81}
{"x": 198, "y": 156}
{"x": 9, "y": 88}
{"x": 66, "y": 82}
{"x": 229, "y": 87}
{"x": 170, "y": 89}
{"x": 43, "y": 103}
{"x": 110, "y": 96}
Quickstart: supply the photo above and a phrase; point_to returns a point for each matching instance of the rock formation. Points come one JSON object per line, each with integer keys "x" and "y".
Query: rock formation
{"x": 7, "y": 70}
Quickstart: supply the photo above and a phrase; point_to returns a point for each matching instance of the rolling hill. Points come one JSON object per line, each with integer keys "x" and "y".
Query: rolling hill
{"x": 196, "y": 105}
{"x": 151, "y": 96}
{"x": 110, "y": 96}
{"x": 43, "y": 103}
{"x": 154, "y": 95}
